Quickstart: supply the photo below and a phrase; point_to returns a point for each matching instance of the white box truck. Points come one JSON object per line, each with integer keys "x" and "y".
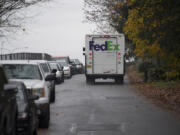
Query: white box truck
{"x": 104, "y": 57}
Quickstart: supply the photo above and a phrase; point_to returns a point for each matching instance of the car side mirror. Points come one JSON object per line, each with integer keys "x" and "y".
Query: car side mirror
{"x": 10, "y": 88}
{"x": 50, "y": 77}
{"x": 54, "y": 71}
{"x": 33, "y": 97}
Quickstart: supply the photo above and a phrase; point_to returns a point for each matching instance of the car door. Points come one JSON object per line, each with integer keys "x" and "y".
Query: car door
{"x": 47, "y": 84}
{"x": 8, "y": 104}
{"x": 3, "y": 108}
{"x": 45, "y": 68}
{"x": 32, "y": 108}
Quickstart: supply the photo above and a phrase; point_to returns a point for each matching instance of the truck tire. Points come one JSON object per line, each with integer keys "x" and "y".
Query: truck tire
{"x": 90, "y": 80}
{"x": 44, "y": 120}
{"x": 119, "y": 80}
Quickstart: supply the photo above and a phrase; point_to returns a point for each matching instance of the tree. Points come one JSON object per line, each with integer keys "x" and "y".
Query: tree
{"x": 8, "y": 8}
{"x": 154, "y": 26}
{"x": 106, "y": 13}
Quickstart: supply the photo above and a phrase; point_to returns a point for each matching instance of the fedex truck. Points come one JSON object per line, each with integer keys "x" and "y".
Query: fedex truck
{"x": 104, "y": 57}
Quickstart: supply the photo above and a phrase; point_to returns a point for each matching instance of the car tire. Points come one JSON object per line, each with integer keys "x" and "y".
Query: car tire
{"x": 53, "y": 95}
{"x": 44, "y": 120}
{"x": 35, "y": 132}
{"x": 58, "y": 81}
{"x": 3, "y": 130}
{"x": 13, "y": 132}
{"x": 63, "y": 78}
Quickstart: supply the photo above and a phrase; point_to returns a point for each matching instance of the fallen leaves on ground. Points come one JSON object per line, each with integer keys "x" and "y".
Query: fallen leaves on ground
{"x": 168, "y": 97}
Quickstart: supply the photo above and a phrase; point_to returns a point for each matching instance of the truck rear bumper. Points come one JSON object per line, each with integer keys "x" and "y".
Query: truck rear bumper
{"x": 104, "y": 76}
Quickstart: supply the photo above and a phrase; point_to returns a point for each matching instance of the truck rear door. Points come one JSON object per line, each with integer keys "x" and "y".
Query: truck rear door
{"x": 104, "y": 58}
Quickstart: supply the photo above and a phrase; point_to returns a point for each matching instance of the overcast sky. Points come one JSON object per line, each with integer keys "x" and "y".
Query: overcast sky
{"x": 56, "y": 28}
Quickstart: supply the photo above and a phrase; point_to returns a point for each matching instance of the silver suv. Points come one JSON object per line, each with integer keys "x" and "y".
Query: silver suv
{"x": 36, "y": 82}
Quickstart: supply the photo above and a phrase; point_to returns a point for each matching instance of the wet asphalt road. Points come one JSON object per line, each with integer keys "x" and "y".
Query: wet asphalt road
{"x": 106, "y": 109}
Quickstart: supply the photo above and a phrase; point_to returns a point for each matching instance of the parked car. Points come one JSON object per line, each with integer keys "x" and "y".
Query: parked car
{"x": 8, "y": 105}
{"x": 61, "y": 70}
{"x": 56, "y": 69}
{"x": 46, "y": 70}
{"x": 79, "y": 66}
{"x": 30, "y": 73}
{"x": 66, "y": 68}
{"x": 27, "y": 117}
{"x": 73, "y": 68}
{"x": 65, "y": 61}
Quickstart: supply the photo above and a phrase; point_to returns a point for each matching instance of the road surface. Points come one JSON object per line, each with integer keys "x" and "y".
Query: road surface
{"x": 106, "y": 109}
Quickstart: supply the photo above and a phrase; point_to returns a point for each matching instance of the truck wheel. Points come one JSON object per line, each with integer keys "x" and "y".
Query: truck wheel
{"x": 90, "y": 80}
{"x": 44, "y": 120}
{"x": 119, "y": 80}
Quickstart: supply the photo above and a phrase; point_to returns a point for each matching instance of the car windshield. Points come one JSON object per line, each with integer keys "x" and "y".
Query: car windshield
{"x": 53, "y": 66}
{"x": 45, "y": 67}
{"x": 22, "y": 71}
{"x": 76, "y": 61}
{"x": 63, "y": 62}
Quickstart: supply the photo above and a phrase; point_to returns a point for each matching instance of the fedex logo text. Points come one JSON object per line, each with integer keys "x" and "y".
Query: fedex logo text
{"x": 108, "y": 46}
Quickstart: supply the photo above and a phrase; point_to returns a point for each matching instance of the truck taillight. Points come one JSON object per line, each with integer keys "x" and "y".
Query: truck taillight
{"x": 119, "y": 53}
{"x": 106, "y": 36}
{"x": 90, "y": 54}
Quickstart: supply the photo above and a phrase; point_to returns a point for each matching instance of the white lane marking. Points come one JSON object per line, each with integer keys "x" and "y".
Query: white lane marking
{"x": 92, "y": 116}
{"x": 123, "y": 127}
{"x": 73, "y": 128}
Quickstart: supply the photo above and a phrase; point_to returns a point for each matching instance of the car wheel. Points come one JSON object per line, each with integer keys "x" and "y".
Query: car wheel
{"x": 53, "y": 95}
{"x": 44, "y": 120}
{"x": 3, "y": 130}
{"x": 63, "y": 78}
{"x": 35, "y": 132}
{"x": 13, "y": 132}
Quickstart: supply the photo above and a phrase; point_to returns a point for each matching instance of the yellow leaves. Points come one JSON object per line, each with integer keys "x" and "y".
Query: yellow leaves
{"x": 119, "y": 4}
{"x": 146, "y": 51}
{"x": 146, "y": 27}
{"x": 131, "y": 2}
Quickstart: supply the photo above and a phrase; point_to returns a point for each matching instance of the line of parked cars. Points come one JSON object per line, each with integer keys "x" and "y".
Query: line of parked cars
{"x": 27, "y": 87}
{"x": 71, "y": 66}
